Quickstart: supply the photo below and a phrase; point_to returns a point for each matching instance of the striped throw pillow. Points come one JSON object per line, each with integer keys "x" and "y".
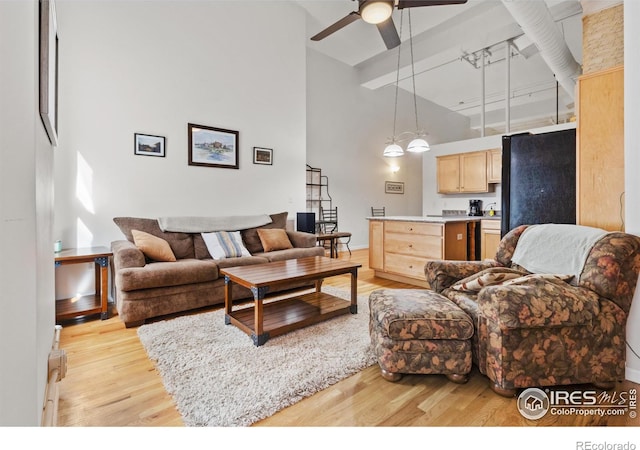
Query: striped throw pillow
{"x": 225, "y": 244}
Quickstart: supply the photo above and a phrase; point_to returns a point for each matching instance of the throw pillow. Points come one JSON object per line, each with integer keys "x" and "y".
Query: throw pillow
{"x": 153, "y": 247}
{"x": 181, "y": 243}
{"x": 252, "y": 240}
{"x": 487, "y": 277}
{"x": 225, "y": 244}
{"x": 274, "y": 239}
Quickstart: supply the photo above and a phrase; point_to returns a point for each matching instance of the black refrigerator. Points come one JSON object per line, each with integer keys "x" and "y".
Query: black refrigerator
{"x": 538, "y": 179}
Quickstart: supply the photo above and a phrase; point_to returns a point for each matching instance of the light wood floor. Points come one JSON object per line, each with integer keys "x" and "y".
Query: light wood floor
{"x": 111, "y": 382}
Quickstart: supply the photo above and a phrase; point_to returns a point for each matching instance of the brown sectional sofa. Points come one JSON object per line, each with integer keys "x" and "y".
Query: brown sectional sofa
{"x": 145, "y": 289}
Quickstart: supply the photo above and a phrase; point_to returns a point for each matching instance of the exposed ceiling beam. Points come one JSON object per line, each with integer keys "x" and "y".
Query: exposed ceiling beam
{"x": 458, "y": 35}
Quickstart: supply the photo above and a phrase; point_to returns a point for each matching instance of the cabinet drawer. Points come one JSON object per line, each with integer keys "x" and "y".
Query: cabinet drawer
{"x": 490, "y": 224}
{"x": 413, "y": 245}
{"x": 408, "y": 266}
{"x": 431, "y": 229}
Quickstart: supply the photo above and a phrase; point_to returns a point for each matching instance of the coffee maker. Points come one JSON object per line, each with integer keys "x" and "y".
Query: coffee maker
{"x": 475, "y": 207}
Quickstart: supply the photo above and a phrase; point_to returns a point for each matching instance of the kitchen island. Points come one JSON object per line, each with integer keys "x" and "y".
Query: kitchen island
{"x": 399, "y": 246}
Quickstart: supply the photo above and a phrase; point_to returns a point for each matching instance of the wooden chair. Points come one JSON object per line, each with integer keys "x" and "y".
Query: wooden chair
{"x": 377, "y": 212}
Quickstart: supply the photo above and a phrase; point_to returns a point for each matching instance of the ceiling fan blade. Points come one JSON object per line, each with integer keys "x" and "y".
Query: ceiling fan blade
{"x": 346, "y": 20}
{"x": 389, "y": 33}
{"x": 414, "y": 4}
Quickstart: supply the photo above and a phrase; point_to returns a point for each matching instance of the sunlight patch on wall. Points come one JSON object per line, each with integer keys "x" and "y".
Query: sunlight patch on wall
{"x": 84, "y": 184}
{"x": 84, "y": 237}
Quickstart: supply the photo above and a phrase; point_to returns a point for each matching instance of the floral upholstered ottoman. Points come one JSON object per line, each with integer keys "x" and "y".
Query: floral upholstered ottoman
{"x": 416, "y": 331}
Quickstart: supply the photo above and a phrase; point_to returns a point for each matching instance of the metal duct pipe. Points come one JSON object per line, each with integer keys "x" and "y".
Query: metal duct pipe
{"x": 537, "y": 23}
{"x": 507, "y": 89}
{"x": 482, "y": 94}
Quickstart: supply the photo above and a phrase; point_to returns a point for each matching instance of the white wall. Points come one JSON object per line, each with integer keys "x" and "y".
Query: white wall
{"x": 26, "y": 206}
{"x": 434, "y": 203}
{"x": 152, "y": 67}
{"x": 632, "y": 162}
{"x": 347, "y": 128}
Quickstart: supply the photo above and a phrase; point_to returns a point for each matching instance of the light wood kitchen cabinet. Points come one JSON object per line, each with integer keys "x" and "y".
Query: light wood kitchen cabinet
{"x": 406, "y": 246}
{"x": 376, "y": 244}
{"x": 600, "y": 155}
{"x": 494, "y": 165}
{"x": 462, "y": 173}
{"x": 490, "y": 237}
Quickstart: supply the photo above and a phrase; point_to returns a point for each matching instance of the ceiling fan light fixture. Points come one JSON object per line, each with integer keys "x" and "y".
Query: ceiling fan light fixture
{"x": 393, "y": 150}
{"x": 418, "y": 145}
{"x": 376, "y": 12}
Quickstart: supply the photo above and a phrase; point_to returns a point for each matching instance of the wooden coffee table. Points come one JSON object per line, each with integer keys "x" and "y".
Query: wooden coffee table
{"x": 265, "y": 320}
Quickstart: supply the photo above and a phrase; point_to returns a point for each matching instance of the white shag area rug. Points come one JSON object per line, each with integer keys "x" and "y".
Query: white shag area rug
{"x": 218, "y": 378}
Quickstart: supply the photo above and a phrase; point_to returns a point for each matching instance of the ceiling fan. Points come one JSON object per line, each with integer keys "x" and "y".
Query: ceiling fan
{"x": 378, "y": 12}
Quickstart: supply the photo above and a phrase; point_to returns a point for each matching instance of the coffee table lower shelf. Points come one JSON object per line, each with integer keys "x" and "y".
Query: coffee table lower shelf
{"x": 283, "y": 316}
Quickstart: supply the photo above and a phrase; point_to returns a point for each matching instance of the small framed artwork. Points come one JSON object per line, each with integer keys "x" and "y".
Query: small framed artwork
{"x": 49, "y": 69}
{"x": 148, "y": 145}
{"x": 212, "y": 147}
{"x": 393, "y": 187}
{"x": 262, "y": 155}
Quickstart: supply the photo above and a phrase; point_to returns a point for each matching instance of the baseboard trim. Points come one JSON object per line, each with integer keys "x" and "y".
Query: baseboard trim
{"x": 57, "y": 371}
{"x": 401, "y": 279}
{"x": 632, "y": 374}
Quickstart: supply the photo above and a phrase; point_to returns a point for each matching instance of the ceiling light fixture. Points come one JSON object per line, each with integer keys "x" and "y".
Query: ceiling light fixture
{"x": 418, "y": 144}
{"x": 376, "y": 12}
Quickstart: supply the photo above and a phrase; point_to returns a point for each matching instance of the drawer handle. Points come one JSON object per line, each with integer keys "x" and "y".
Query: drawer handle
{"x": 410, "y": 229}
{"x": 410, "y": 245}
{"x": 410, "y": 267}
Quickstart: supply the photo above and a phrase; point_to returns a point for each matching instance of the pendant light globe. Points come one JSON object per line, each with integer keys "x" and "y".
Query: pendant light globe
{"x": 393, "y": 150}
{"x": 418, "y": 145}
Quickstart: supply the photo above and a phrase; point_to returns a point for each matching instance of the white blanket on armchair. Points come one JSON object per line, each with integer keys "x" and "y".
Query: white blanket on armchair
{"x": 556, "y": 248}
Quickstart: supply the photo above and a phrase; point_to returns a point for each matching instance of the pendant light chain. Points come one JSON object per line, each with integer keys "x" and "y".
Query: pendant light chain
{"x": 413, "y": 73}
{"x": 395, "y": 110}
{"x": 418, "y": 144}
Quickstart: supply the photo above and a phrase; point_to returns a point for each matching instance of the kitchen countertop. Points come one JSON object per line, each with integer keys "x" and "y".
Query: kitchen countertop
{"x": 435, "y": 219}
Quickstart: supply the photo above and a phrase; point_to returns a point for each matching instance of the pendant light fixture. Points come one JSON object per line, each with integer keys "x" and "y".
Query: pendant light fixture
{"x": 418, "y": 142}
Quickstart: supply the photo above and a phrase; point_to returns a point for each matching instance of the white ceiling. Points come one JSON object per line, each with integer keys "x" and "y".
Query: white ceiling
{"x": 442, "y": 35}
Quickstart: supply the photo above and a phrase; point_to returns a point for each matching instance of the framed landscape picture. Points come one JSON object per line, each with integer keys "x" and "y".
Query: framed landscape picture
{"x": 262, "y": 155}
{"x": 148, "y": 145}
{"x": 394, "y": 187}
{"x": 212, "y": 147}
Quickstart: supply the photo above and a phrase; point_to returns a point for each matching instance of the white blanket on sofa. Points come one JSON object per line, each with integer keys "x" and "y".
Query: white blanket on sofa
{"x": 556, "y": 248}
{"x": 188, "y": 224}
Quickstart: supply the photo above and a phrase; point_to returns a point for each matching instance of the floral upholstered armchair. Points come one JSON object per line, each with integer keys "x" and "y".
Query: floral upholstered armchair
{"x": 550, "y": 309}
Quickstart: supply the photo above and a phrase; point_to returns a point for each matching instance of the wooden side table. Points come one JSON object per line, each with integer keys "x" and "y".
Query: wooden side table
{"x": 86, "y": 304}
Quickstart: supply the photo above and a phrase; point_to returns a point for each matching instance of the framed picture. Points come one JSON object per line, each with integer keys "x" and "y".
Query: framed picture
{"x": 148, "y": 145}
{"x": 393, "y": 187}
{"x": 212, "y": 147}
{"x": 262, "y": 155}
{"x": 49, "y": 69}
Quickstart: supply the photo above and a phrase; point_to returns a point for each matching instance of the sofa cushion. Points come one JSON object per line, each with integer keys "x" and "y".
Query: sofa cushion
{"x": 242, "y": 261}
{"x": 292, "y": 253}
{"x": 224, "y": 244}
{"x": 153, "y": 247}
{"x": 181, "y": 243}
{"x": 251, "y": 238}
{"x": 274, "y": 239}
{"x": 163, "y": 274}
